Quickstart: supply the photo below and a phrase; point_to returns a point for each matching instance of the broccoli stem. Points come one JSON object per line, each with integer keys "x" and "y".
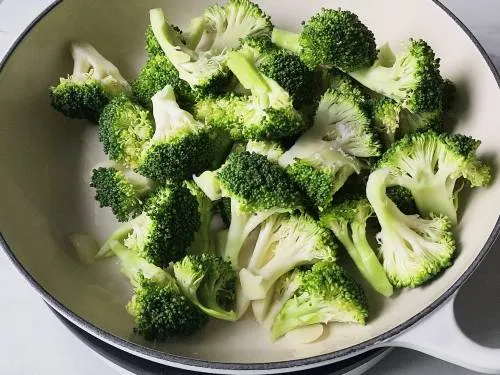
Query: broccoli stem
{"x": 117, "y": 236}
{"x": 194, "y": 32}
{"x": 435, "y": 199}
{"x": 247, "y": 73}
{"x": 366, "y": 260}
{"x": 286, "y": 39}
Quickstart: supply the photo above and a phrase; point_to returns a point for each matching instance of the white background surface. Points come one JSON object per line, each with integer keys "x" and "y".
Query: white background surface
{"x": 34, "y": 342}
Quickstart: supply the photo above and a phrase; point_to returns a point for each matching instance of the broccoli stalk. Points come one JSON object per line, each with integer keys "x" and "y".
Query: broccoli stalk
{"x": 159, "y": 309}
{"x": 203, "y": 241}
{"x": 288, "y": 242}
{"x": 413, "y": 249}
{"x": 347, "y": 220}
{"x": 93, "y": 83}
{"x": 209, "y": 283}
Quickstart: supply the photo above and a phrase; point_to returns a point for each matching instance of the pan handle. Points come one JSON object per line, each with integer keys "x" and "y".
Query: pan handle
{"x": 440, "y": 336}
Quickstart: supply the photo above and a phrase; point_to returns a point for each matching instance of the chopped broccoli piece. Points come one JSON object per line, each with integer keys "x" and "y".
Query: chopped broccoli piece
{"x": 326, "y": 294}
{"x": 209, "y": 282}
{"x": 286, "y": 242}
{"x": 271, "y": 150}
{"x": 153, "y": 48}
{"x": 124, "y": 129}
{"x": 123, "y": 190}
{"x": 258, "y": 188}
{"x": 94, "y": 81}
{"x": 413, "y": 81}
{"x": 347, "y": 220}
{"x": 333, "y": 38}
{"x": 180, "y": 146}
{"x": 324, "y": 157}
{"x": 154, "y": 76}
{"x": 157, "y": 305}
{"x": 203, "y": 242}
{"x": 413, "y": 249}
{"x": 267, "y": 114}
{"x": 429, "y": 164}
{"x": 165, "y": 230}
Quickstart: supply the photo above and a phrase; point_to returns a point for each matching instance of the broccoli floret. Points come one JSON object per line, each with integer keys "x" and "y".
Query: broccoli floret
{"x": 413, "y": 81}
{"x": 124, "y": 129}
{"x": 159, "y": 309}
{"x": 90, "y": 87}
{"x": 236, "y": 20}
{"x": 449, "y": 92}
{"x": 413, "y": 249}
{"x": 224, "y": 209}
{"x": 284, "y": 243}
{"x": 326, "y": 294}
{"x": 123, "y": 190}
{"x": 271, "y": 150}
{"x": 180, "y": 146}
{"x": 209, "y": 282}
{"x": 154, "y": 76}
{"x": 267, "y": 114}
{"x": 324, "y": 157}
{"x": 333, "y": 38}
{"x": 258, "y": 188}
{"x": 165, "y": 230}
{"x": 203, "y": 242}
{"x": 347, "y": 220}
{"x": 403, "y": 199}
{"x": 429, "y": 165}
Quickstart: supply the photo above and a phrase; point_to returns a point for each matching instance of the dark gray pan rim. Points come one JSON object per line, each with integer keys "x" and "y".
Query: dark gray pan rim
{"x": 310, "y": 362}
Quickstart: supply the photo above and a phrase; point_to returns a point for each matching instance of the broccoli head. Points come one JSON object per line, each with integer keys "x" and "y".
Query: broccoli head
{"x": 209, "y": 282}
{"x": 94, "y": 81}
{"x": 413, "y": 81}
{"x": 333, "y": 37}
{"x": 284, "y": 243}
{"x": 124, "y": 129}
{"x": 429, "y": 165}
{"x": 326, "y": 294}
{"x": 413, "y": 249}
{"x": 123, "y": 190}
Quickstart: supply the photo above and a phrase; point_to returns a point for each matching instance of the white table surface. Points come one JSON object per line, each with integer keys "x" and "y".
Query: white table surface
{"x": 34, "y": 342}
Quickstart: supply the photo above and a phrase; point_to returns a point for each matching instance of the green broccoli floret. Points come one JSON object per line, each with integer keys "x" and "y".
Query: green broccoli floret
{"x": 164, "y": 231}
{"x": 209, "y": 282}
{"x": 123, "y": 190}
{"x": 203, "y": 241}
{"x": 324, "y": 156}
{"x": 402, "y": 198}
{"x": 332, "y": 38}
{"x": 413, "y": 81}
{"x": 258, "y": 188}
{"x": 449, "y": 92}
{"x": 284, "y": 243}
{"x": 224, "y": 209}
{"x": 326, "y": 294}
{"x": 154, "y": 76}
{"x": 124, "y": 129}
{"x": 267, "y": 114}
{"x": 271, "y": 150}
{"x": 413, "y": 249}
{"x": 180, "y": 146}
{"x": 90, "y": 87}
{"x": 347, "y": 220}
{"x": 159, "y": 309}
{"x": 429, "y": 165}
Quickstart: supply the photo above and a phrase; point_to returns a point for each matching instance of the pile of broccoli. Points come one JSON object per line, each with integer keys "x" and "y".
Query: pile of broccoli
{"x": 246, "y": 160}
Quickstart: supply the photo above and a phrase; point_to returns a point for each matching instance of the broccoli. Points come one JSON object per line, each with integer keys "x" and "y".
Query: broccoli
{"x": 157, "y": 305}
{"x": 449, "y": 92}
{"x": 94, "y": 81}
{"x": 153, "y": 48}
{"x": 402, "y": 198}
{"x": 209, "y": 282}
{"x": 413, "y": 249}
{"x": 203, "y": 242}
{"x": 258, "y": 188}
{"x": 347, "y": 220}
{"x": 333, "y": 38}
{"x": 123, "y": 190}
{"x": 154, "y": 76}
{"x": 386, "y": 118}
{"x": 272, "y": 150}
{"x": 267, "y": 114}
{"x": 164, "y": 231}
{"x": 180, "y": 146}
{"x": 413, "y": 81}
{"x": 325, "y": 294}
{"x": 224, "y": 209}
{"x": 429, "y": 165}
{"x": 324, "y": 157}
{"x": 284, "y": 243}
{"x": 124, "y": 129}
